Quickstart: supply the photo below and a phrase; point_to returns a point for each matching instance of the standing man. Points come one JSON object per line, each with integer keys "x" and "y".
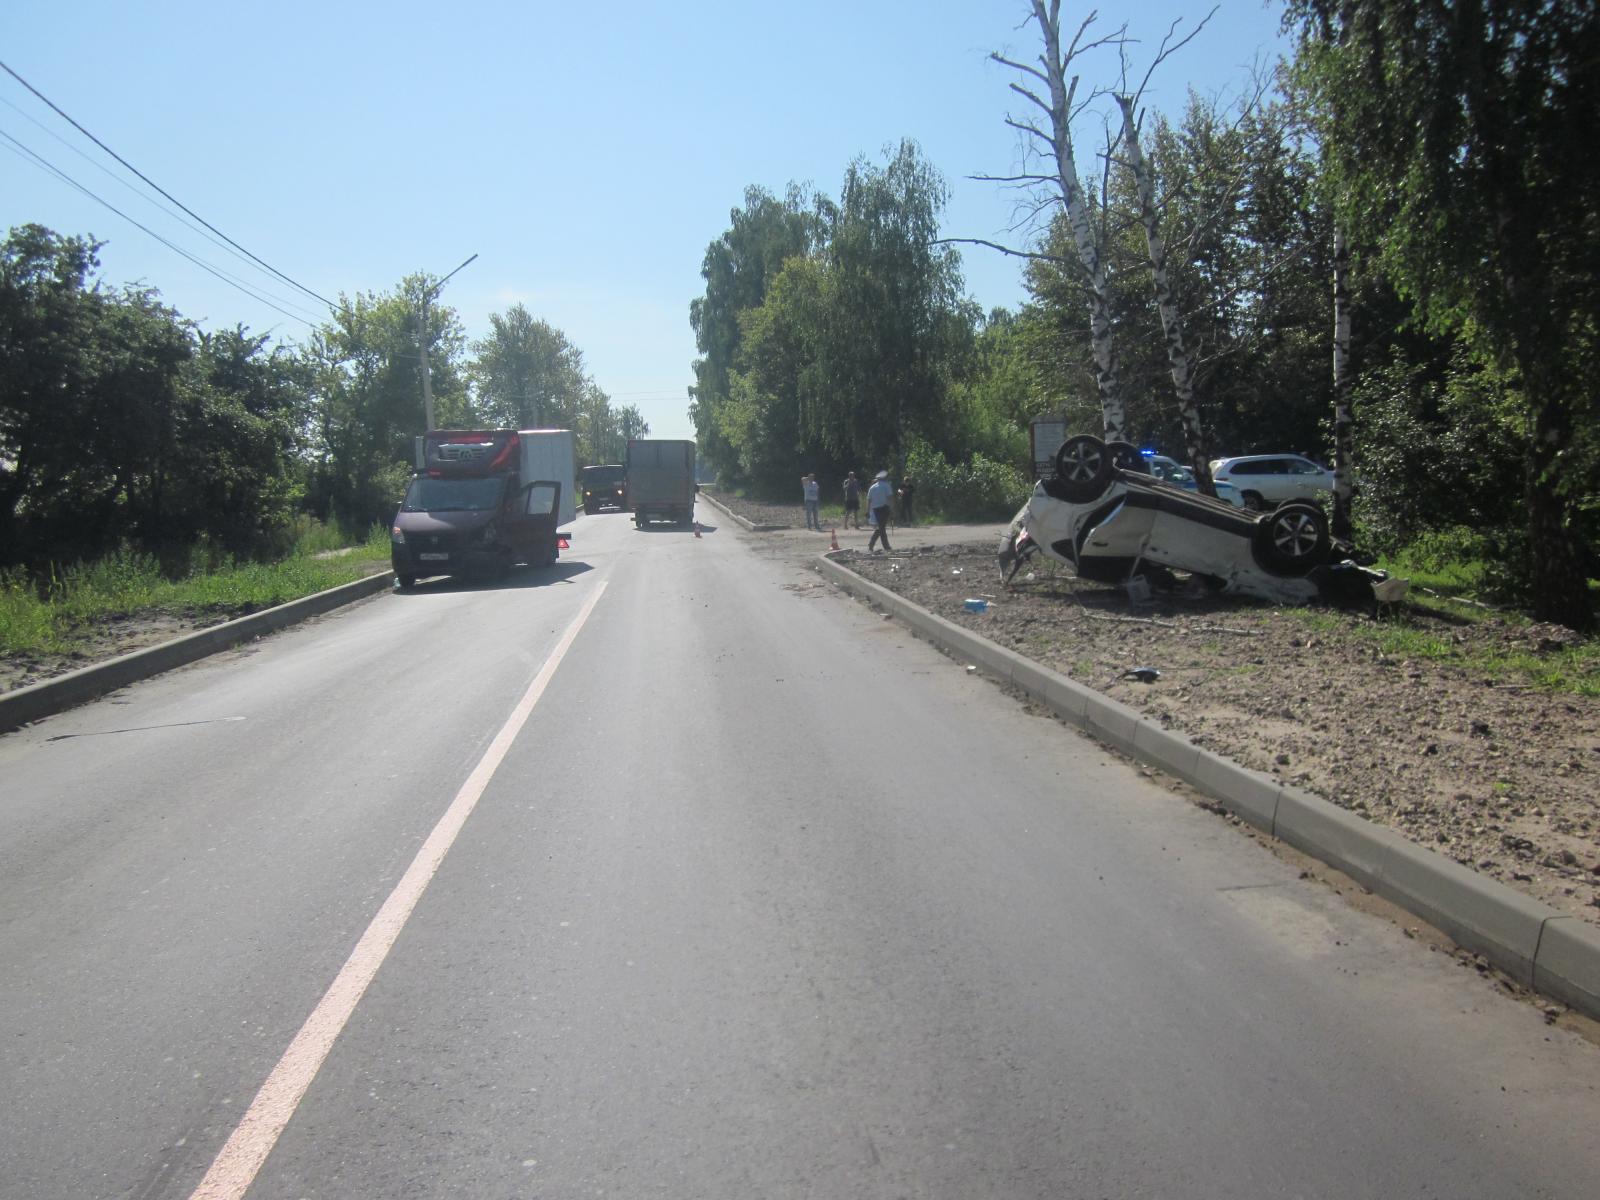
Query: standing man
{"x": 852, "y": 500}
{"x": 908, "y": 490}
{"x": 879, "y": 498}
{"x": 813, "y": 495}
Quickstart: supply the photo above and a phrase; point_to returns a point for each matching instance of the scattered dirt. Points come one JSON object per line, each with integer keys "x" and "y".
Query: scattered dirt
{"x": 1498, "y": 774}
{"x": 121, "y": 634}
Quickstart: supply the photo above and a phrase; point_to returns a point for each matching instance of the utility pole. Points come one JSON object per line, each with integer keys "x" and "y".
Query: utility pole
{"x": 427, "y": 377}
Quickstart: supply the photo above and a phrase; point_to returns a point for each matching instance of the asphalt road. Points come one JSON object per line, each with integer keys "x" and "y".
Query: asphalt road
{"x": 764, "y": 899}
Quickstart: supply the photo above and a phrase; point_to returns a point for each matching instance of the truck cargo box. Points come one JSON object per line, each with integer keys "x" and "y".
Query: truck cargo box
{"x": 660, "y": 481}
{"x": 552, "y": 454}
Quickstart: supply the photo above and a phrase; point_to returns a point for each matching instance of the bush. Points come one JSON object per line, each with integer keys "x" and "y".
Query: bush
{"x": 1438, "y": 455}
{"x": 977, "y": 490}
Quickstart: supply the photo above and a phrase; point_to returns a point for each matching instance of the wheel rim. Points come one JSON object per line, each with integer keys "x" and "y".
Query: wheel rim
{"x": 1081, "y": 463}
{"x": 1295, "y": 535}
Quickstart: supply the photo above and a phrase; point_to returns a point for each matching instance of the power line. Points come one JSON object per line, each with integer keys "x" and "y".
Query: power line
{"x": 45, "y": 165}
{"x": 121, "y": 182}
{"x": 293, "y": 283}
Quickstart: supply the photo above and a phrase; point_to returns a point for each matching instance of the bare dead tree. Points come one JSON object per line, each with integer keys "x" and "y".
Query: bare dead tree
{"x": 1053, "y": 142}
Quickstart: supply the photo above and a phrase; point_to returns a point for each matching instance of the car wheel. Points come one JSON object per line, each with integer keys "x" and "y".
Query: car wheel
{"x": 1083, "y": 468}
{"x": 1253, "y": 501}
{"x": 1293, "y": 538}
{"x": 406, "y": 582}
{"x": 1125, "y": 456}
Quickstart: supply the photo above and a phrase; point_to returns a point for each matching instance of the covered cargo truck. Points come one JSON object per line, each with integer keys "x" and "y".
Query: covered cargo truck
{"x": 483, "y": 501}
{"x": 660, "y": 481}
{"x": 602, "y": 486}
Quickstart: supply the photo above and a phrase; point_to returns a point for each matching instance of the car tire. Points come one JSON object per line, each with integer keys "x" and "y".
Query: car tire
{"x": 406, "y": 582}
{"x": 1125, "y": 456}
{"x": 1253, "y": 501}
{"x": 591, "y": 509}
{"x": 1083, "y": 468}
{"x": 1292, "y": 539}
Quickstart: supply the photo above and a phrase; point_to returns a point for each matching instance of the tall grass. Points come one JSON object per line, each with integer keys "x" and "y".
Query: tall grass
{"x": 51, "y": 614}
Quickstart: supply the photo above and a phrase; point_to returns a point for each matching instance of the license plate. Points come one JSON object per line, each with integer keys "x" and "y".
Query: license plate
{"x": 434, "y": 557}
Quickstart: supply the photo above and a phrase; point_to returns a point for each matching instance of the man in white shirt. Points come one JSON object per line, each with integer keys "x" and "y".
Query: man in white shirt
{"x": 813, "y": 497}
{"x": 879, "y": 497}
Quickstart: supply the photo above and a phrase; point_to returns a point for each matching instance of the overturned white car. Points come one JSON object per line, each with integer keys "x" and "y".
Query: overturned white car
{"x": 1109, "y": 519}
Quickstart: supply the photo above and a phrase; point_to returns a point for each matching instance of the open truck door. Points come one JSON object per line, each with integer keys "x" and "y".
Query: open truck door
{"x": 541, "y": 521}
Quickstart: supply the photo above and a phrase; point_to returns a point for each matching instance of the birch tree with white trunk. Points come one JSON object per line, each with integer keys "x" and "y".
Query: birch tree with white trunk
{"x": 1343, "y": 417}
{"x": 1179, "y": 359}
{"x": 1055, "y": 144}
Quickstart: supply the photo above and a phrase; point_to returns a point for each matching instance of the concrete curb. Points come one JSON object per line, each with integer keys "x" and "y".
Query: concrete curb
{"x": 1551, "y": 952}
{"x": 749, "y": 525}
{"x": 51, "y": 696}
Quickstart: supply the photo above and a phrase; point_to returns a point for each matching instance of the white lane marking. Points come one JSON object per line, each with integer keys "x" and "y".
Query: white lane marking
{"x": 240, "y": 1158}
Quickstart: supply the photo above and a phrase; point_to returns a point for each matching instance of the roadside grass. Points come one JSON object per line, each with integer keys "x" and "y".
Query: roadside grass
{"x": 46, "y": 616}
{"x": 1573, "y": 669}
{"x": 1451, "y": 578}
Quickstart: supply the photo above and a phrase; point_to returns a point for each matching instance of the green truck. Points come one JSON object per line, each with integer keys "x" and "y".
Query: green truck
{"x": 603, "y": 486}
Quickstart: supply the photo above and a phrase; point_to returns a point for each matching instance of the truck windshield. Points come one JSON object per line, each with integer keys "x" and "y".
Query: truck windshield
{"x": 594, "y": 477}
{"x": 427, "y": 494}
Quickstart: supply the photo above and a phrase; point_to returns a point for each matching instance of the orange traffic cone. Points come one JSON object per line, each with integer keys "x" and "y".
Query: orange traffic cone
{"x": 833, "y": 536}
{"x": 697, "y": 529}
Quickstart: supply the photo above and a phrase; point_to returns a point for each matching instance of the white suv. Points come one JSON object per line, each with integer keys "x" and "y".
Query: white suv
{"x": 1268, "y": 480}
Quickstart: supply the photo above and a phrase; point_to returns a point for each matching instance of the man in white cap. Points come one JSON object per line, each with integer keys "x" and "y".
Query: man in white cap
{"x": 879, "y": 496}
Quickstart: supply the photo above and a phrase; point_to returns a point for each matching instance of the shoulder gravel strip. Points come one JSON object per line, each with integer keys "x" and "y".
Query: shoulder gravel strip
{"x": 744, "y": 521}
{"x": 39, "y": 700}
{"x": 1553, "y": 953}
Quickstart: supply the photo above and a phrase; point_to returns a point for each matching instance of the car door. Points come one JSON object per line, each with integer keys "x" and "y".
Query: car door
{"x": 1307, "y": 480}
{"x": 531, "y": 511}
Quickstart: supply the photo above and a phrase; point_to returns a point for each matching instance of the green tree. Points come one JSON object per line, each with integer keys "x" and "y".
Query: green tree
{"x": 895, "y": 327}
{"x": 366, "y": 399}
{"x": 48, "y": 318}
{"x": 246, "y": 406}
{"x": 603, "y": 430}
{"x": 526, "y": 374}
{"x": 738, "y": 269}
{"x": 120, "y": 422}
{"x": 1458, "y": 141}
{"x": 1247, "y": 268}
{"x": 829, "y": 338}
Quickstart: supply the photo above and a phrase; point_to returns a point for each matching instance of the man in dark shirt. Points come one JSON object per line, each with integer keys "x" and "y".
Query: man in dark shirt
{"x": 907, "y": 491}
{"x": 852, "y": 500}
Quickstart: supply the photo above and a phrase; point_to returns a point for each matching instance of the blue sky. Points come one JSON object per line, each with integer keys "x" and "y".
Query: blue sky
{"x": 587, "y": 155}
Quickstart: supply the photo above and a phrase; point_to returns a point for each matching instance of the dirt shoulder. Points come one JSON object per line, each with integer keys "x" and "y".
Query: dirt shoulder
{"x": 1396, "y": 720}
{"x": 117, "y": 635}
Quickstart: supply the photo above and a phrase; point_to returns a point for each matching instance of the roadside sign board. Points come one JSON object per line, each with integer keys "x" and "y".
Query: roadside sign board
{"x": 1048, "y": 434}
